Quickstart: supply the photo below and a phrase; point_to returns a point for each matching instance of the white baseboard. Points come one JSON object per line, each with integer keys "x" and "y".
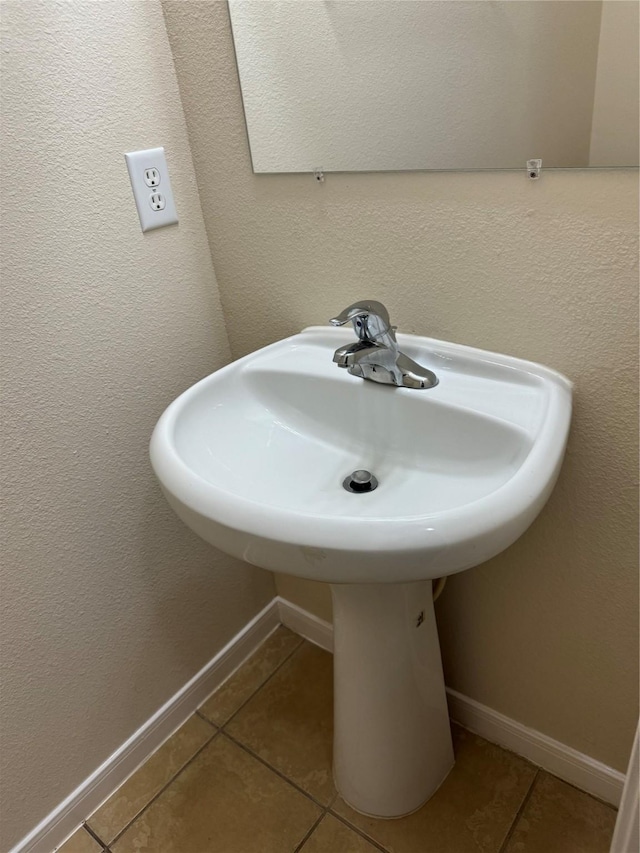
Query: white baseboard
{"x": 563, "y": 761}
{"x": 87, "y": 797}
{"x": 580, "y": 770}
{"x": 302, "y": 622}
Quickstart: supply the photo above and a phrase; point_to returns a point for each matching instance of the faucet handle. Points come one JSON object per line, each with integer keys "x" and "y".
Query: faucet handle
{"x": 370, "y": 320}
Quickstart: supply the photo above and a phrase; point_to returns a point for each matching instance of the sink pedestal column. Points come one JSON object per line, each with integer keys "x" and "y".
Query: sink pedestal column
{"x": 392, "y": 743}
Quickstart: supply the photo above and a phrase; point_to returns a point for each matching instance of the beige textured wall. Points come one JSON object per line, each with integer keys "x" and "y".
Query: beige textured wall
{"x": 109, "y": 604}
{"x": 547, "y": 632}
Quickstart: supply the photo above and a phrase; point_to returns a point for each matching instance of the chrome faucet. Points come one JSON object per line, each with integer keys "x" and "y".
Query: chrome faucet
{"x": 375, "y": 355}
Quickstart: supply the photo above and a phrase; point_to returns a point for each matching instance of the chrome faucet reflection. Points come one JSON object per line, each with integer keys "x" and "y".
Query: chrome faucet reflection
{"x": 375, "y": 355}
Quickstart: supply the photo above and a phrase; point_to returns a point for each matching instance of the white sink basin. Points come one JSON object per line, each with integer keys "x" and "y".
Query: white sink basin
{"x": 253, "y": 459}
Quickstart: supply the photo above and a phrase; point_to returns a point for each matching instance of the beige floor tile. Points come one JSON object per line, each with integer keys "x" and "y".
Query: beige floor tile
{"x": 332, "y": 836}
{"x": 80, "y": 842}
{"x": 289, "y": 721}
{"x": 254, "y": 672}
{"x": 470, "y": 813}
{"x": 560, "y": 819}
{"x": 225, "y": 801}
{"x": 138, "y": 790}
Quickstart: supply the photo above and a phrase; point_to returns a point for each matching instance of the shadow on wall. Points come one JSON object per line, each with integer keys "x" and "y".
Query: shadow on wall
{"x": 202, "y": 574}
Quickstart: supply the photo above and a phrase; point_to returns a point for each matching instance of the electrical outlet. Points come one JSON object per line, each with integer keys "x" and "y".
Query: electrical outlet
{"x": 148, "y": 170}
{"x": 157, "y": 201}
{"x": 151, "y": 177}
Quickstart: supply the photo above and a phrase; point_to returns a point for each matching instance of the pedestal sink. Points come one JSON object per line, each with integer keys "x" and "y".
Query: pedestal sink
{"x": 253, "y": 459}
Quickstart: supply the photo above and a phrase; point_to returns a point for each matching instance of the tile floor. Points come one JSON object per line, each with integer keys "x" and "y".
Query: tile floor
{"x": 250, "y": 772}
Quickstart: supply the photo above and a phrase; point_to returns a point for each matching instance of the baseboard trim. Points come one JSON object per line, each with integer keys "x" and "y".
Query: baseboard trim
{"x": 87, "y": 797}
{"x": 306, "y": 624}
{"x": 575, "y": 767}
{"x": 561, "y": 760}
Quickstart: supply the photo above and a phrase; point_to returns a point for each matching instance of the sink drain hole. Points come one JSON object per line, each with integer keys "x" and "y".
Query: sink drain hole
{"x": 360, "y": 481}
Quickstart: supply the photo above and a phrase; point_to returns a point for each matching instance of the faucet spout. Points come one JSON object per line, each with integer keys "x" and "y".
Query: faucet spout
{"x": 370, "y": 320}
{"x": 360, "y": 309}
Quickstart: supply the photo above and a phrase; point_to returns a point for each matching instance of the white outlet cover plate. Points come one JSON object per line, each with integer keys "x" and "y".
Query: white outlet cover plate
{"x": 137, "y": 163}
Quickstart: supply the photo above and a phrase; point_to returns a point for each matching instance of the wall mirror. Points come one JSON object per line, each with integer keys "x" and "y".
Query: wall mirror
{"x": 378, "y": 85}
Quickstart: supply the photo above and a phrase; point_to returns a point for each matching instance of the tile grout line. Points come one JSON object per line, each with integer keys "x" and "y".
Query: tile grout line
{"x": 221, "y": 726}
{"x": 368, "y": 838}
{"x": 309, "y": 832}
{"x": 204, "y": 719}
{"x": 327, "y": 811}
{"x": 361, "y": 832}
{"x": 519, "y": 813}
{"x": 357, "y": 830}
{"x": 279, "y": 773}
{"x": 165, "y": 786}
{"x": 95, "y": 835}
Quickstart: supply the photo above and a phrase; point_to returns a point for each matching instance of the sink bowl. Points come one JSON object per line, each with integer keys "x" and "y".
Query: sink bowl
{"x": 253, "y": 459}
